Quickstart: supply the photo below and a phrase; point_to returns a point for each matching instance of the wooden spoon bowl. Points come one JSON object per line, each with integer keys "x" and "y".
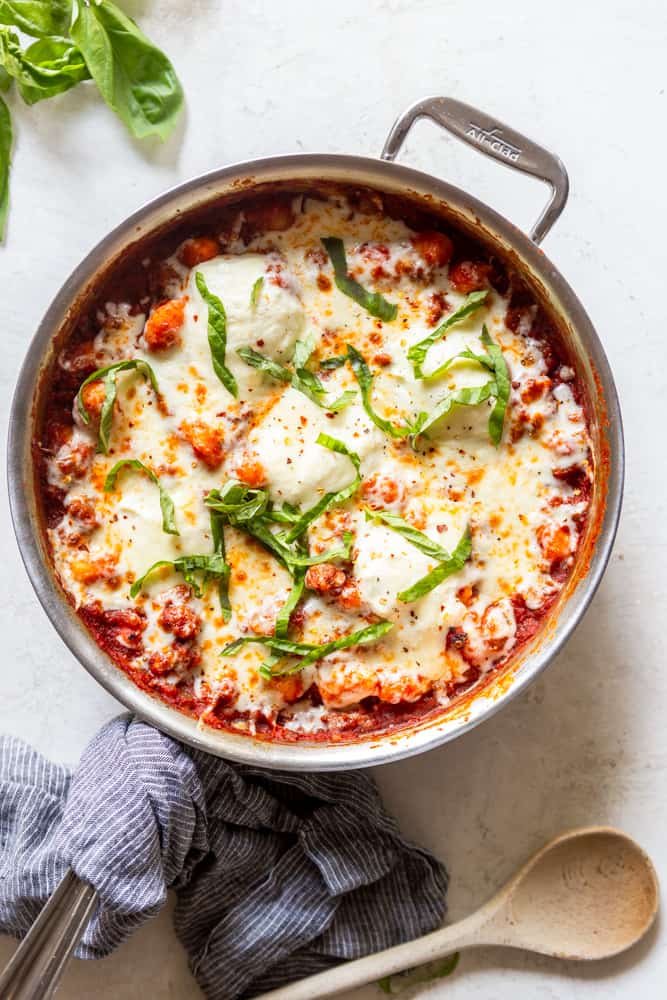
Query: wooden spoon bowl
{"x": 588, "y": 894}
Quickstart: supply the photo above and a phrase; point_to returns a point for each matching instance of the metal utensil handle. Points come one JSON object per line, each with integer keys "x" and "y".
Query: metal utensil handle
{"x": 39, "y": 961}
{"x": 494, "y": 139}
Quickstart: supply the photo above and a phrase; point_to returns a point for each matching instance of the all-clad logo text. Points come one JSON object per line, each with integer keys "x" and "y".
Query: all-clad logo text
{"x": 493, "y": 138}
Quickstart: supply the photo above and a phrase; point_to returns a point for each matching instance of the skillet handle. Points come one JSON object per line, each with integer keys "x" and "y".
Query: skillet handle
{"x": 491, "y": 137}
{"x": 39, "y": 961}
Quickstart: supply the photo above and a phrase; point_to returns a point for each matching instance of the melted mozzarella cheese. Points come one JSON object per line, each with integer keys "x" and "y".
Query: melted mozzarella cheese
{"x": 512, "y": 497}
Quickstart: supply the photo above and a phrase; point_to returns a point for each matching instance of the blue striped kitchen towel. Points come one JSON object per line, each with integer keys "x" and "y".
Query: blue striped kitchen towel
{"x": 278, "y": 875}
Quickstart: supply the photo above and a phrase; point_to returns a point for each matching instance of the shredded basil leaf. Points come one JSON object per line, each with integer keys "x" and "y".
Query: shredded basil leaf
{"x": 329, "y": 499}
{"x": 5, "y": 160}
{"x": 309, "y": 652}
{"x": 256, "y": 291}
{"x": 166, "y": 503}
{"x": 37, "y": 17}
{"x": 415, "y": 537}
{"x": 218, "y": 536}
{"x": 329, "y": 364}
{"x": 134, "y": 77}
{"x": 365, "y": 379}
{"x": 502, "y": 392}
{"x": 301, "y": 379}
{"x": 264, "y": 364}
{"x": 285, "y": 613}
{"x": 466, "y": 355}
{"x": 212, "y": 566}
{"x": 372, "y": 302}
{"x": 108, "y": 376}
{"x": 250, "y": 509}
{"x": 238, "y": 503}
{"x": 466, "y": 396}
{"x": 217, "y": 334}
{"x": 417, "y": 353}
{"x": 453, "y": 564}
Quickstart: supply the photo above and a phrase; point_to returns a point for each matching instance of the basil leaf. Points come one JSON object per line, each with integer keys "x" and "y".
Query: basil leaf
{"x": 328, "y": 364}
{"x": 108, "y": 375}
{"x": 335, "y": 552}
{"x": 372, "y": 302}
{"x": 467, "y": 355}
{"x": 365, "y": 379}
{"x": 5, "y": 160}
{"x": 417, "y": 353}
{"x": 453, "y": 564}
{"x": 47, "y": 67}
{"x": 218, "y": 536}
{"x": 256, "y": 291}
{"x": 134, "y": 77}
{"x": 166, "y": 503}
{"x": 310, "y": 652}
{"x": 466, "y": 396}
{"x": 302, "y": 352}
{"x": 502, "y": 393}
{"x": 237, "y": 502}
{"x": 329, "y": 499}
{"x": 217, "y": 334}
{"x": 302, "y": 380}
{"x": 285, "y": 613}
{"x": 37, "y": 17}
{"x": 211, "y": 566}
{"x": 273, "y": 642}
{"x": 287, "y": 513}
{"x": 421, "y": 974}
{"x": 55, "y": 66}
{"x": 264, "y": 364}
{"x": 415, "y": 537}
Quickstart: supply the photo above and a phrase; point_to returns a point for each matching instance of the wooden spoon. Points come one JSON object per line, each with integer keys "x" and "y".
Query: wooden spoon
{"x": 588, "y": 894}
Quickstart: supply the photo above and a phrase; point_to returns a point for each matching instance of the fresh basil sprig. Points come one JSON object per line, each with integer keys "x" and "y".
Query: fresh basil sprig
{"x": 365, "y": 379}
{"x": 329, "y": 499}
{"x": 166, "y": 503}
{"x": 108, "y": 376}
{"x": 37, "y": 18}
{"x": 417, "y": 353}
{"x": 5, "y": 159}
{"x": 453, "y": 564}
{"x": 48, "y": 67}
{"x": 372, "y": 302}
{"x": 134, "y": 77}
{"x": 212, "y": 566}
{"x": 309, "y": 653}
{"x": 256, "y": 291}
{"x": 300, "y": 379}
{"x": 217, "y": 334}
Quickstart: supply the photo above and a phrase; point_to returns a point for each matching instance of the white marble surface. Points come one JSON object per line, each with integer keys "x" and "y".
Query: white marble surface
{"x": 588, "y": 742}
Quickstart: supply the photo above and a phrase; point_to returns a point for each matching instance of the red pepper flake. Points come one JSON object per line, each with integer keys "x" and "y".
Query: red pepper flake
{"x": 440, "y": 528}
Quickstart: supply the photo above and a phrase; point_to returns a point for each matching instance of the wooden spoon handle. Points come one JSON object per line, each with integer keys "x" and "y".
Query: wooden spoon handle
{"x": 383, "y": 963}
